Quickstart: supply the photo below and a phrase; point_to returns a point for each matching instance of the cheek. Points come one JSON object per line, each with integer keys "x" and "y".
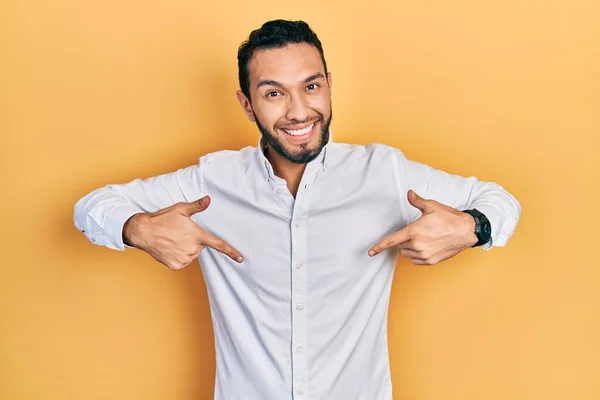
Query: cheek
{"x": 321, "y": 104}
{"x": 269, "y": 114}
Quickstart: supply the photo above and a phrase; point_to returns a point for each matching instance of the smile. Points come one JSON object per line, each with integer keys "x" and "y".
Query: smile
{"x": 299, "y": 132}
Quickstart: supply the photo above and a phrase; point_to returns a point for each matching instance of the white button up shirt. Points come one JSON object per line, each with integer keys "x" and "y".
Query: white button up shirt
{"x": 304, "y": 316}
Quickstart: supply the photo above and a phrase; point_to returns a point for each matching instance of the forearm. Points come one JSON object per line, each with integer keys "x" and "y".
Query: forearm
{"x": 102, "y": 214}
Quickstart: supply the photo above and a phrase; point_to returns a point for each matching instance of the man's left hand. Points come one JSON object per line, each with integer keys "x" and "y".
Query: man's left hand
{"x": 440, "y": 233}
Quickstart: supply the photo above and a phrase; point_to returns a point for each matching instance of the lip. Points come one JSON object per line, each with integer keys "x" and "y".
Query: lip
{"x": 301, "y": 138}
{"x": 298, "y": 127}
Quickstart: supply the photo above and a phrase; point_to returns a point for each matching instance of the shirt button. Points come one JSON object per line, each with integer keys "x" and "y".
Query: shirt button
{"x": 280, "y": 190}
{"x": 298, "y": 349}
{"x": 300, "y": 307}
{"x": 298, "y": 266}
{"x": 300, "y": 392}
{"x": 298, "y": 223}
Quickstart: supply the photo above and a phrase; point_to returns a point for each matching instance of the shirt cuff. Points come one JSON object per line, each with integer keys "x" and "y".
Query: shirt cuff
{"x": 113, "y": 225}
{"x": 495, "y": 217}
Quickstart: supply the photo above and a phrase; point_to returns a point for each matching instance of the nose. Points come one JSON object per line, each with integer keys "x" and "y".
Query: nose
{"x": 298, "y": 109}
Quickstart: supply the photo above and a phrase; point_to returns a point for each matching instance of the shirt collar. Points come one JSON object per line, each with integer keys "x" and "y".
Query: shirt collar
{"x": 319, "y": 161}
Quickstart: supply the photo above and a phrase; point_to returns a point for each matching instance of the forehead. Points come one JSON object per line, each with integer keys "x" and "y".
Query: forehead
{"x": 287, "y": 65}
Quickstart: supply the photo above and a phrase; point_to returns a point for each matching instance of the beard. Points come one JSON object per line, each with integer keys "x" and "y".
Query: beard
{"x": 306, "y": 154}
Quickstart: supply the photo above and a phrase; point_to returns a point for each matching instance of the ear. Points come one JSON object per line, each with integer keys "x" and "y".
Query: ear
{"x": 329, "y": 81}
{"x": 246, "y": 106}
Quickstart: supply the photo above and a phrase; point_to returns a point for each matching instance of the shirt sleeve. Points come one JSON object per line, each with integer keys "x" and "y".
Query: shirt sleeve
{"x": 460, "y": 193}
{"x": 101, "y": 214}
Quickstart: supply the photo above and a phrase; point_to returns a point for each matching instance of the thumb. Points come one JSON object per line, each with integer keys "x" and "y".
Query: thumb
{"x": 196, "y": 206}
{"x": 417, "y": 201}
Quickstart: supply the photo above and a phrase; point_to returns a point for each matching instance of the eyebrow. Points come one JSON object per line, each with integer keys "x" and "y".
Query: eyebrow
{"x": 271, "y": 82}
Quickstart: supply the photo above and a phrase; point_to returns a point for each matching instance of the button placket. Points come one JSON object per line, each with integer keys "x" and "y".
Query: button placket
{"x": 300, "y": 285}
{"x": 299, "y": 289}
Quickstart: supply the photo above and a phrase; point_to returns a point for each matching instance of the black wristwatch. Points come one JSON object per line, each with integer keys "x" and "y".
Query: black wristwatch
{"x": 483, "y": 228}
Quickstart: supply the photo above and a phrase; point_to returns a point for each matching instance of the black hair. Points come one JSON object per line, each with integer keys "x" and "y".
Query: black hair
{"x": 274, "y": 34}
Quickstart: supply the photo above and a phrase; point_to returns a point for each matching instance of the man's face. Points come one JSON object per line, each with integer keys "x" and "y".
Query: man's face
{"x": 291, "y": 100}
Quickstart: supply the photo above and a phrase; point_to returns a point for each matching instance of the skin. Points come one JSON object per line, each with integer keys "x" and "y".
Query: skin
{"x": 289, "y": 90}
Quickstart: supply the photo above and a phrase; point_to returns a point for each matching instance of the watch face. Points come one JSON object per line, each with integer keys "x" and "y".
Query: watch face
{"x": 483, "y": 228}
{"x": 486, "y": 231}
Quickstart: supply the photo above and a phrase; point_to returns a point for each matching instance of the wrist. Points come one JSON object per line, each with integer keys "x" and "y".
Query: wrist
{"x": 470, "y": 227}
{"x": 132, "y": 229}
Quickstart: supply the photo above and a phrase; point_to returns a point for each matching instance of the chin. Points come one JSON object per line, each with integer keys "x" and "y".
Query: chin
{"x": 297, "y": 150}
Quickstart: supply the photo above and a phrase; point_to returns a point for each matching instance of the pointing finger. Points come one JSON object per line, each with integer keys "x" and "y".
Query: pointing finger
{"x": 222, "y": 247}
{"x": 394, "y": 239}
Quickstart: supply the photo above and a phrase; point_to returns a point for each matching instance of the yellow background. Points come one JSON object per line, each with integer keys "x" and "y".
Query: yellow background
{"x": 103, "y": 92}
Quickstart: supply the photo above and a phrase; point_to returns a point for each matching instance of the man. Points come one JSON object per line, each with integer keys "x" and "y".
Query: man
{"x": 300, "y": 235}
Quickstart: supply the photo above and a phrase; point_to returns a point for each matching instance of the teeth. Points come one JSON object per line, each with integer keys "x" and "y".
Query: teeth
{"x": 299, "y": 132}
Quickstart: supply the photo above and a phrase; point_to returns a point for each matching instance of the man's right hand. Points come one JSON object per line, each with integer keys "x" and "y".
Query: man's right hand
{"x": 171, "y": 237}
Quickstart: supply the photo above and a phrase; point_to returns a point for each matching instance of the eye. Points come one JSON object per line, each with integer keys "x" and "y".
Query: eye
{"x": 273, "y": 93}
{"x": 312, "y": 86}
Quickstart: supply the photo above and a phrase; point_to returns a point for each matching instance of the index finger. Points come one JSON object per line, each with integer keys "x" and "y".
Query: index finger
{"x": 221, "y": 246}
{"x": 403, "y": 235}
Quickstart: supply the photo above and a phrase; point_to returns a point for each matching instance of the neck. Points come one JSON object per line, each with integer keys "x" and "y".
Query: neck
{"x": 285, "y": 169}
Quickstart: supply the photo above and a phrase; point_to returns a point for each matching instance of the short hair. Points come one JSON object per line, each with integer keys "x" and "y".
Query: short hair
{"x": 274, "y": 34}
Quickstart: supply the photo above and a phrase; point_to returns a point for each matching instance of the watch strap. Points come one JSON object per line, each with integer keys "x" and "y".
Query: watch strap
{"x": 482, "y": 227}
